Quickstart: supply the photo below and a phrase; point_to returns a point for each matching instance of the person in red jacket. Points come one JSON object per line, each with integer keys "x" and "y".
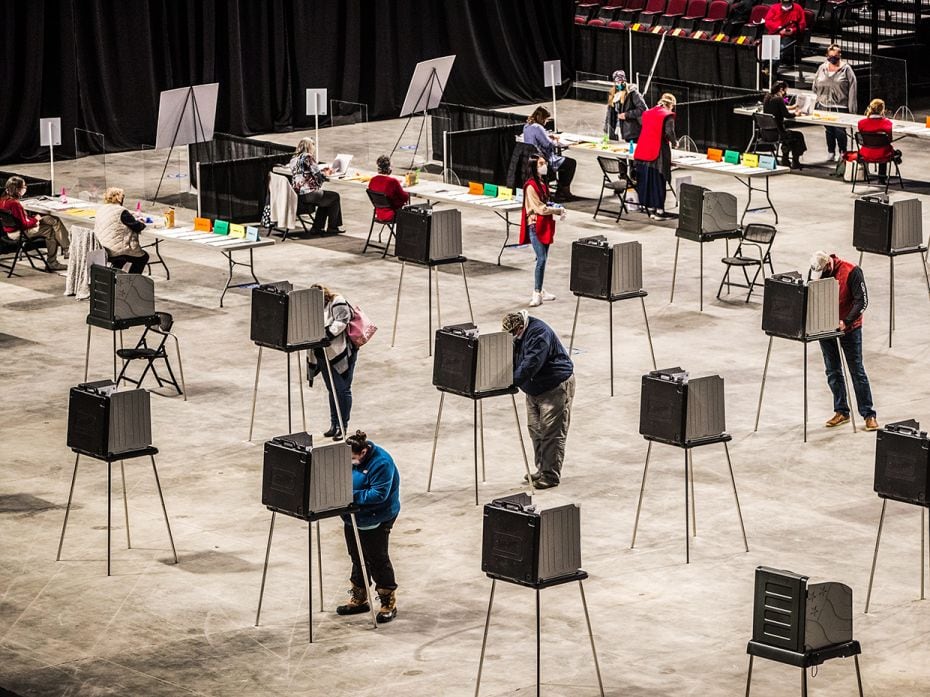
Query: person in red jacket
{"x": 876, "y": 122}
{"x": 854, "y": 299}
{"x": 47, "y": 226}
{"x": 384, "y": 183}
{"x": 653, "y": 156}
{"x": 537, "y": 222}
{"x": 787, "y": 20}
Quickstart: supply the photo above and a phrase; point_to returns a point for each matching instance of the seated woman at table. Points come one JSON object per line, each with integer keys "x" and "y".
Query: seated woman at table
{"x": 876, "y": 122}
{"x": 47, "y": 226}
{"x": 384, "y": 183}
{"x": 117, "y": 230}
{"x": 534, "y": 133}
{"x": 308, "y": 183}
{"x": 792, "y": 142}
{"x": 653, "y": 156}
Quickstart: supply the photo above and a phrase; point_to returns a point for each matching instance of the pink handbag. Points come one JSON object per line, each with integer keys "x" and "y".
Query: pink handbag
{"x": 361, "y": 328}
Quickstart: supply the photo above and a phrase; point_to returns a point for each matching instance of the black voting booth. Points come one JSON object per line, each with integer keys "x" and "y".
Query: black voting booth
{"x": 902, "y": 473}
{"x": 687, "y": 413}
{"x": 890, "y": 229}
{"x": 536, "y": 549}
{"x": 432, "y": 238}
{"x": 804, "y": 312}
{"x": 608, "y": 272}
{"x": 801, "y": 624}
{"x": 111, "y": 425}
{"x": 310, "y": 483}
{"x": 703, "y": 216}
{"x": 288, "y": 320}
{"x": 475, "y": 366}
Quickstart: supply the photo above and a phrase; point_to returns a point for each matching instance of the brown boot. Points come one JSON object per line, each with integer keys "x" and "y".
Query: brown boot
{"x": 871, "y": 424}
{"x": 358, "y": 602}
{"x": 837, "y": 420}
{"x": 388, "y": 609}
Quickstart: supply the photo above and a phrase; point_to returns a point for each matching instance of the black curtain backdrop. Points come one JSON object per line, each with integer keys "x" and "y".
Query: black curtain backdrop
{"x": 101, "y": 64}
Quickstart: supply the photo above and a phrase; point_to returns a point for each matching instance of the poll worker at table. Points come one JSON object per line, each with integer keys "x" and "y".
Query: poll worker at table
{"x": 537, "y": 223}
{"x": 341, "y": 355}
{"x": 376, "y": 490}
{"x": 308, "y": 180}
{"x": 546, "y": 375}
{"x": 793, "y": 144}
{"x": 875, "y": 121}
{"x": 384, "y": 183}
{"x": 653, "y": 156}
{"x": 835, "y": 87}
{"x": 47, "y": 226}
{"x": 561, "y": 168}
{"x": 117, "y": 230}
{"x": 854, "y": 299}
{"x": 625, "y": 108}
{"x": 786, "y": 18}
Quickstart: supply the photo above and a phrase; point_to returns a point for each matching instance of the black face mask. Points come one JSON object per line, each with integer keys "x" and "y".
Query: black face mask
{"x": 835, "y": 60}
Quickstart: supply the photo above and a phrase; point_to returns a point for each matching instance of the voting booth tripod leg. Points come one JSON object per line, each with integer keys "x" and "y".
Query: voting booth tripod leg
{"x": 648, "y": 333}
{"x": 765, "y": 371}
{"x": 300, "y": 382}
{"x": 484, "y": 639}
{"x": 687, "y": 517}
{"x": 432, "y": 460}
{"x": 693, "y": 504}
{"x": 403, "y": 265}
{"x": 538, "y": 646}
{"x": 361, "y": 559}
{"x": 484, "y": 474}
{"x": 642, "y": 488}
{"x": 890, "y": 299}
{"x": 429, "y": 307}
{"x": 64, "y": 525}
{"x": 849, "y": 393}
{"x": 475, "y": 443}
{"x": 587, "y": 619}
{"x": 164, "y": 510}
{"x": 878, "y": 538}
{"x": 87, "y": 354}
{"x": 261, "y": 591}
{"x": 571, "y": 341}
{"x": 287, "y": 357}
{"x": 739, "y": 510}
{"x": 671, "y": 298}
{"x": 805, "y": 389}
{"x": 701, "y": 277}
{"x": 923, "y": 265}
{"x": 122, "y": 472}
{"x": 319, "y": 562}
{"x": 343, "y": 424}
{"x": 467, "y": 294}
{"x": 258, "y": 368}
{"x": 526, "y": 461}
{"x": 610, "y": 323}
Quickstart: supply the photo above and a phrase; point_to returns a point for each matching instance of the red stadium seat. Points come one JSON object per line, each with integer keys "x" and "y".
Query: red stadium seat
{"x": 585, "y": 11}
{"x": 717, "y": 13}
{"x": 608, "y": 13}
{"x": 627, "y": 15}
{"x": 673, "y": 12}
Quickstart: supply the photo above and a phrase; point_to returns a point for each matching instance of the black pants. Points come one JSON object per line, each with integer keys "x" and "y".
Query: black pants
{"x": 792, "y": 142}
{"x": 136, "y": 264}
{"x": 564, "y": 175}
{"x": 328, "y": 206}
{"x": 375, "y": 549}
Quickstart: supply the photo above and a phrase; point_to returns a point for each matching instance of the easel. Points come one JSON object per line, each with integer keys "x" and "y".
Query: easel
{"x": 424, "y": 93}
{"x": 427, "y": 90}
{"x": 691, "y": 520}
{"x": 920, "y": 249}
{"x": 878, "y": 539}
{"x": 478, "y": 427}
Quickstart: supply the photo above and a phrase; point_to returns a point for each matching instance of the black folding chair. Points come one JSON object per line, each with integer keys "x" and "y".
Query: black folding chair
{"x": 754, "y": 250}
{"x": 21, "y": 247}
{"x": 380, "y": 202}
{"x": 767, "y": 135}
{"x": 617, "y": 180}
{"x": 151, "y": 352}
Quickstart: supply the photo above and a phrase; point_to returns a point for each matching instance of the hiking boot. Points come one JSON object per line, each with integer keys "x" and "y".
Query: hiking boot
{"x": 358, "y": 602}
{"x": 837, "y": 420}
{"x": 55, "y": 265}
{"x": 535, "y": 476}
{"x": 544, "y": 483}
{"x": 871, "y": 424}
{"x": 388, "y": 609}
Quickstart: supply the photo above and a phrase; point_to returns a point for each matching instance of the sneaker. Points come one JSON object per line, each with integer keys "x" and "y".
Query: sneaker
{"x": 835, "y": 157}
{"x": 543, "y": 483}
{"x": 536, "y": 300}
{"x": 837, "y": 420}
{"x": 358, "y": 602}
{"x": 388, "y": 609}
{"x": 55, "y": 265}
{"x": 871, "y": 424}
{"x": 535, "y": 476}
{"x": 547, "y": 297}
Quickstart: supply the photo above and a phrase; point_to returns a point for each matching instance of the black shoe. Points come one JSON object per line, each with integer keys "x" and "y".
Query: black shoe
{"x": 543, "y": 483}
{"x": 337, "y": 435}
{"x": 535, "y": 476}
{"x": 331, "y": 432}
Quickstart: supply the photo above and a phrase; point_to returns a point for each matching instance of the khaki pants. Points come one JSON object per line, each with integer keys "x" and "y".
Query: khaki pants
{"x": 55, "y": 234}
{"x": 548, "y": 417}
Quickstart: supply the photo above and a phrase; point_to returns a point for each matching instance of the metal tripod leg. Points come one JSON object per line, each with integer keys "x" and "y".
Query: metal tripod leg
{"x": 538, "y": 646}
{"x": 858, "y": 675}
{"x": 671, "y": 297}
{"x": 310, "y": 580}
{"x": 467, "y": 294}
{"x": 475, "y": 443}
{"x": 739, "y": 510}
{"x": 64, "y": 525}
{"x": 571, "y": 342}
{"x": 342, "y": 422}
{"x": 687, "y": 517}
{"x": 438, "y": 306}
{"x": 890, "y": 300}
{"x": 701, "y": 277}
{"x": 526, "y": 461}
{"x": 878, "y": 539}
{"x": 109, "y": 501}
{"x": 923, "y": 542}
{"x": 693, "y": 506}
{"x": 610, "y": 323}
{"x": 164, "y": 510}
{"x": 484, "y": 476}
{"x": 432, "y": 460}
{"x": 87, "y": 354}
{"x": 429, "y": 309}
{"x": 923, "y": 265}
{"x": 749, "y": 676}
{"x": 765, "y": 371}
{"x": 114, "y": 356}
{"x": 261, "y": 591}
{"x": 642, "y": 488}
{"x": 484, "y": 640}
{"x": 122, "y": 472}
{"x": 805, "y": 389}
{"x": 849, "y": 392}
{"x": 300, "y": 382}
{"x": 803, "y": 682}
{"x": 361, "y": 559}
{"x": 403, "y": 265}
{"x": 648, "y": 333}
{"x": 288, "y": 358}
{"x": 319, "y": 562}
{"x": 258, "y": 368}
{"x": 587, "y": 619}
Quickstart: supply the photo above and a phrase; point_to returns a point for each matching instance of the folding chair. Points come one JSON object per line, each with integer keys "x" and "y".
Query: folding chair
{"x": 876, "y": 140}
{"x": 613, "y": 167}
{"x": 766, "y": 137}
{"x": 754, "y": 249}
{"x": 302, "y": 208}
{"x": 21, "y": 246}
{"x": 380, "y": 203}
{"x": 152, "y": 352}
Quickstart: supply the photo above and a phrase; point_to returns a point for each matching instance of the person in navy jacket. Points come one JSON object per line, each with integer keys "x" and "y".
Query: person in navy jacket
{"x": 376, "y": 489}
{"x": 545, "y": 373}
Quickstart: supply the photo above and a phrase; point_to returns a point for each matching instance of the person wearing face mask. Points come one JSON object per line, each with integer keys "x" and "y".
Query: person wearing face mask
{"x": 376, "y": 491}
{"x": 561, "y": 167}
{"x": 537, "y": 223}
{"x": 384, "y": 183}
{"x": 835, "y": 87}
{"x": 653, "y": 156}
{"x": 854, "y": 299}
{"x": 792, "y": 141}
{"x": 47, "y": 226}
{"x": 876, "y": 122}
{"x": 787, "y": 20}
{"x": 625, "y": 108}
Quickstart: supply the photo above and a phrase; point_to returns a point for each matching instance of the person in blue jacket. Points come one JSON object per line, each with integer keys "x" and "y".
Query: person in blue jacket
{"x": 545, "y": 373}
{"x": 376, "y": 489}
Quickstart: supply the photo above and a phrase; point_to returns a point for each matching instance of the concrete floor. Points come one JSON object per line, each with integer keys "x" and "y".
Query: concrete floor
{"x": 662, "y": 627}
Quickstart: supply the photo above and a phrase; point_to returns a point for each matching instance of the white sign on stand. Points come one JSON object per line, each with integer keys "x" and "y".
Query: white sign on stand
{"x": 50, "y": 136}
{"x": 770, "y": 51}
{"x": 552, "y": 77}
{"x": 316, "y": 107}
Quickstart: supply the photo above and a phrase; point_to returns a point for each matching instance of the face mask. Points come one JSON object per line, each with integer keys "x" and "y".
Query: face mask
{"x": 786, "y": 8}
{"x": 834, "y": 59}
{"x": 543, "y": 170}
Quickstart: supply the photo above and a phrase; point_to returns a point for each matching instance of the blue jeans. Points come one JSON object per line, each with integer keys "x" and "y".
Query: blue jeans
{"x": 343, "y": 392}
{"x": 852, "y": 348}
{"x": 542, "y": 253}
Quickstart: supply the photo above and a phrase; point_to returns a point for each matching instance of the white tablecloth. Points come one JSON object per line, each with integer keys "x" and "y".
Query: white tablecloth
{"x": 83, "y": 247}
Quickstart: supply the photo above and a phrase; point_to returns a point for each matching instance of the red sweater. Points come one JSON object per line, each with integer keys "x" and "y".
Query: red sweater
{"x": 777, "y": 21}
{"x": 876, "y": 125}
{"x": 15, "y": 208}
{"x": 390, "y": 187}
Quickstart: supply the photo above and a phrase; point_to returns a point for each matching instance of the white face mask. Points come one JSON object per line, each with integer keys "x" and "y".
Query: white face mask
{"x": 543, "y": 170}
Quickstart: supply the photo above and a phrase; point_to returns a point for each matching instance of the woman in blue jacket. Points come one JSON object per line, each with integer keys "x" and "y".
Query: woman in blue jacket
{"x": 376, "y": 488}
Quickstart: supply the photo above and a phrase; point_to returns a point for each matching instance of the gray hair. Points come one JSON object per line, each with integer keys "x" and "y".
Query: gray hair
{"x": 819, "y": 261}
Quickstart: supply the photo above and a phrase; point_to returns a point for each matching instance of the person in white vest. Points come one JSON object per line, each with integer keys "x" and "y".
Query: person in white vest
{"x": 117, "y": 230}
